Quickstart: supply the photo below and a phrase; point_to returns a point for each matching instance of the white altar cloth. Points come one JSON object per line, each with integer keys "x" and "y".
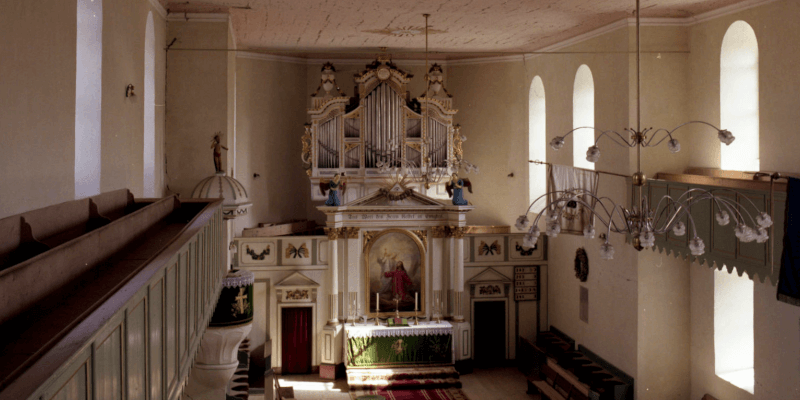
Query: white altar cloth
{"x": 424, "y": 328}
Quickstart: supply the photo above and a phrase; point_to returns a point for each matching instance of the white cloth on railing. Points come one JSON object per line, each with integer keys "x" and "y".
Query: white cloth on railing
{"x": 238, "y": 278}
{"x": 423, "y": 329}
{"x": 563, "y": 178}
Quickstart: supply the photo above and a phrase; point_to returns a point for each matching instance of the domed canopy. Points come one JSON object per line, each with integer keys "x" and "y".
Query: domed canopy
{"x": 221, "y": 186}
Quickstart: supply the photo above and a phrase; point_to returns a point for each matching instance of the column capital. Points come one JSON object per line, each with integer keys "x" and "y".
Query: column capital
{"x": 439, "y": 232}
{"x": 333, "y": 233}
{"x": 350, "y": 232}
{"x": 456, "y": 232}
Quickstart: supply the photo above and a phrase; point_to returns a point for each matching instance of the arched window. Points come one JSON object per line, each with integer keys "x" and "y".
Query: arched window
{"x": 149, "y": 160}
{"x": 733, "y": 329}
{"x": 537, "y": 142}
{"x": 582, "y": 115}
{"x": 88, "y": 100}
{"x": 738, "y": 95}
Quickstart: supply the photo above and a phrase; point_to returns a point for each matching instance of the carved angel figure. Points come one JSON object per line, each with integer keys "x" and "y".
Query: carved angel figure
{"x": 455, "y": 189}
{"x": 217, "y": 146}
{"x": 332, "y": 187}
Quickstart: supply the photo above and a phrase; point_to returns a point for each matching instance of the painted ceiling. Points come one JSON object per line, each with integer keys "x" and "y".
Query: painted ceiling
{"x": 348, "y": 27}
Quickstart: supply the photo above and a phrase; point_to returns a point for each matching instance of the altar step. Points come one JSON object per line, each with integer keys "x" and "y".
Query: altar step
{"x": 403, "y": 378}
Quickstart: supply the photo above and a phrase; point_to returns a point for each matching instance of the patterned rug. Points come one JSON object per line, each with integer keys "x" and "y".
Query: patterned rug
{"x": 403, "y": 378}
{"x": 415, "y": 394}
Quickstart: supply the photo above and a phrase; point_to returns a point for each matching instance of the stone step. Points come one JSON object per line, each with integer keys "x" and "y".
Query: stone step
{"x": 396, "y": 378}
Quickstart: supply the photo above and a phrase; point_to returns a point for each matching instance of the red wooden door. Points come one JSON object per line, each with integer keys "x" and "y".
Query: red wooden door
{"x": 296, "y": 340}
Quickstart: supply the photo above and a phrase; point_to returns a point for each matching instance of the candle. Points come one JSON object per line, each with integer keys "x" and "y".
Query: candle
{"x": 415, "y": 301}
{"x": 377, "y": 302}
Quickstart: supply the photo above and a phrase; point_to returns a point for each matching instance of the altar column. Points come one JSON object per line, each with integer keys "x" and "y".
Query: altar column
{"x": 438, "y": 233}
{"x": 353, "y": 271}
{"x": 333, "y": 275}
{"x": 458, "y": 280}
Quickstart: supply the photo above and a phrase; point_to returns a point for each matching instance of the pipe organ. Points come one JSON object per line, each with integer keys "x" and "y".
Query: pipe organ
{"x": 381, "y": 125}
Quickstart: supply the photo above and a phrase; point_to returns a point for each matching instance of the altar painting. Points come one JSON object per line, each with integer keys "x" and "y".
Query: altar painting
{"x": 395, "y": 263}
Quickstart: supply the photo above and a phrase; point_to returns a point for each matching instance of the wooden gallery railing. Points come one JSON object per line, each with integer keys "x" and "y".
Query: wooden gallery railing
{"x": 757, "y": 260}
{"x": 106, "y": 297}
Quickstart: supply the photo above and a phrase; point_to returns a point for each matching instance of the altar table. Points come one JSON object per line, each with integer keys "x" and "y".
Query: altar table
{"x": 370, "y": 346}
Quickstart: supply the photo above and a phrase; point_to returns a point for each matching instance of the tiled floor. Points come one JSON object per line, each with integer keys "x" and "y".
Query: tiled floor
{"x": 483, "y": 384}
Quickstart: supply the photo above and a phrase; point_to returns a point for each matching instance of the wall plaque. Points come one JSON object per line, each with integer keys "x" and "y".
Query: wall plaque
{"x": 526, "y": 283}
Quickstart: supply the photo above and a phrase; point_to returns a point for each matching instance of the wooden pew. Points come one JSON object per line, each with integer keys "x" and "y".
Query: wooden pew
{"x": 558, "y": 384}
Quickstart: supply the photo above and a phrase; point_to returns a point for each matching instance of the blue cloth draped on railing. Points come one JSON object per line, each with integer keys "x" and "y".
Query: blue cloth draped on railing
{"x": 789, "y": 278}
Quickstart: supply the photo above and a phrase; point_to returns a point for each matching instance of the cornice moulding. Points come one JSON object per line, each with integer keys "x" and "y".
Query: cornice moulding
{"x": 159, "y": 8}
{"x": 197, "y": 17}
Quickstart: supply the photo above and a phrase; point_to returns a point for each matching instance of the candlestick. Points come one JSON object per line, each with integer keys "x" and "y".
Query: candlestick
{"x": 416, "y": 308}
{"x": 377, "y": 308}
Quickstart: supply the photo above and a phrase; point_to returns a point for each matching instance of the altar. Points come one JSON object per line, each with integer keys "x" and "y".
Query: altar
{"x": 426, "y": 344}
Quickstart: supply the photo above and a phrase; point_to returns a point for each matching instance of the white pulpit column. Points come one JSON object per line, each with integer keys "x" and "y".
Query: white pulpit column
{"x": 333, "y": 276}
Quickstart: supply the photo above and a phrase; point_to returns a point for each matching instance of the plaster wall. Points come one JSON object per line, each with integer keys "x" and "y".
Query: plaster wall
{"x": 197, "y": 102}
{"x": 611, "y": 331}
{"x": 663, "y": 327}
{"x": 779, "y": 89}
{"x": 269, "y": 122}
{"x": 37, "y": 103}
{"x": 777, "y": 348}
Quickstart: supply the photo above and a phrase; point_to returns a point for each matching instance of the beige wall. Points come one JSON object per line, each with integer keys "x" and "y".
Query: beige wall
{"x": 271, "y": 111}
{"x": 777, "y": 348}
{"x": 37, "y": 103}
{"x": 197, "y": 102}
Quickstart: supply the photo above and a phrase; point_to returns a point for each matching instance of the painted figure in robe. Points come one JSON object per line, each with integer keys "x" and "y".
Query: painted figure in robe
{"x": 333, "y": 188}
{"x": 455, "y": 189}
{"x": 400, "y": 281}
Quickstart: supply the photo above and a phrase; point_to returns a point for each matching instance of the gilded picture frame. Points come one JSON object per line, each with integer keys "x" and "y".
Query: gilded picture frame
{"x": 383, "y": 253}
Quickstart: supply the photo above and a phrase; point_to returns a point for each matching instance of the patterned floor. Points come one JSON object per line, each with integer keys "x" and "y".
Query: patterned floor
{"x": 483, "y": 384}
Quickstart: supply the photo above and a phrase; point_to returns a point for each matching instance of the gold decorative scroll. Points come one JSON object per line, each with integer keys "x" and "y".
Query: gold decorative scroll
{"x": 350, "y": 232}
{"x": 333, "y": 233}
{"x": 423, "y": 237}
{"x": 368, "y": 235}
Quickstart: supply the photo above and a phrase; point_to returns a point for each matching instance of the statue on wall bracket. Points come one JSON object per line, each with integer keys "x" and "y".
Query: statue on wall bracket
{"x": 455, "y": 189}
{"x": 333, "y": 188}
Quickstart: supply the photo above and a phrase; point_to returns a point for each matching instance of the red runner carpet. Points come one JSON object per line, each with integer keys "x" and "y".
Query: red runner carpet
{"x": 414, "y": 394}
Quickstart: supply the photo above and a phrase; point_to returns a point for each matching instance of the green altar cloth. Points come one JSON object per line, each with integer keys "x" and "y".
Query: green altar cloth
{"x": 399, "y": 347}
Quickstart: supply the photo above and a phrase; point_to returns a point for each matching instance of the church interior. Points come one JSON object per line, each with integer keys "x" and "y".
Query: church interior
{"x": 377, "y": 232}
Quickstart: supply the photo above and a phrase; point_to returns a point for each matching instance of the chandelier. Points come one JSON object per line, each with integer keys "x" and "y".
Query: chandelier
{"x": 404, "y": 171}
{"x": 644, "y": 220}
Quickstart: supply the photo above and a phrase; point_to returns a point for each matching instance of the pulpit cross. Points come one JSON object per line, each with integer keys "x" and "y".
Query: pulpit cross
{"x": 240, "y": 299}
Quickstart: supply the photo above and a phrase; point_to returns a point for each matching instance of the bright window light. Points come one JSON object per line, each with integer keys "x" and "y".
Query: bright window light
{"x": 739, "y": 97}
{"x": 582, "y": 115}
{"x": 733, "y": 329}
{"x": 309, "y": 386}
{"x": 88, "y": 99}
{"x": 537, "y": 143}
{"x": 149, "y": 150}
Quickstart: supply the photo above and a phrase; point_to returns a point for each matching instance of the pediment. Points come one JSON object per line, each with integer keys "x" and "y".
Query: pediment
{"x": 297, "y": 280}
{"x": 395, "y": 196}
{"x": 489, "y": 275}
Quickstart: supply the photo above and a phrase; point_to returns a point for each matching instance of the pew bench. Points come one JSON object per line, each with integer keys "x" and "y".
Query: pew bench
{"x": 557, "y": 384}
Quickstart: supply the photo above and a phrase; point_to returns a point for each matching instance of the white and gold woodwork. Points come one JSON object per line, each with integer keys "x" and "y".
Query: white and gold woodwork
{"x": 350, "y": 135}
{"x": 452, "y": 256}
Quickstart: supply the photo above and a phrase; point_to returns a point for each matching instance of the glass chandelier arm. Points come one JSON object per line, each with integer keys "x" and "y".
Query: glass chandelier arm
{"x": 668, "y": 135}
{"x": 608, "y": 133}
{"x": 671, "y": 131}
